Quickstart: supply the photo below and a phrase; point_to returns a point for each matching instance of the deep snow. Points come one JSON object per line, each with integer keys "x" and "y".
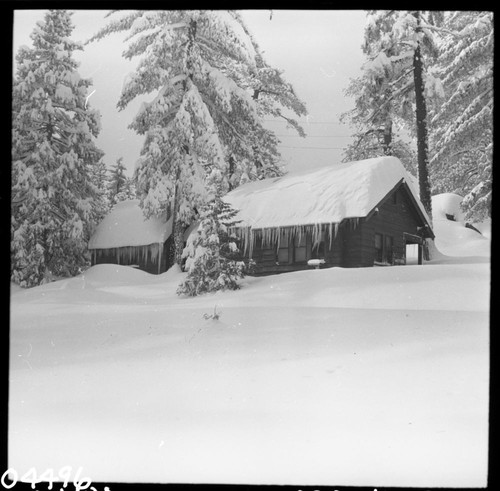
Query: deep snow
{"x": 375, "y": 376}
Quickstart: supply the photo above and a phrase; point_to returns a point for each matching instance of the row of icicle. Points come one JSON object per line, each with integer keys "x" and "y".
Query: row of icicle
{"x": 270, "y": 237}
{"x": 133, "y": 254}
{"x": 274, "y": 236}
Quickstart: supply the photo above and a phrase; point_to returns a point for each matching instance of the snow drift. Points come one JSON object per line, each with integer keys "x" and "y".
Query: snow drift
{"x": 359, "y": 377}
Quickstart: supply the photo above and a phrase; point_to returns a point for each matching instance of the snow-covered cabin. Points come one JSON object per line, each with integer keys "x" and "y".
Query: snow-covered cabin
{"x": 352, "y": 214}
{"x": 125, "y": 237}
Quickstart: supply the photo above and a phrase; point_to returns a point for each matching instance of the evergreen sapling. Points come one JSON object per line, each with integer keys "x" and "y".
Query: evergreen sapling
{"x": 213, "y": 257}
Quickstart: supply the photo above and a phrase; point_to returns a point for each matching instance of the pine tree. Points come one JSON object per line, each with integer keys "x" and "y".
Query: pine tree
{"x": 211, "y": 89}
{"x": 421, "y": 118}
{"x": 398, "y": 82}
{"x": 377, "y": 133}
{"x": 213, "y": 258}
{"x": 53, "y": 151}
{"x": 382, "y": 95}
{"x": 462, "y": 137}
{"x": 127, "y": 191}
{"x": 116, "y": 181}
{"x": 99, "y": 176}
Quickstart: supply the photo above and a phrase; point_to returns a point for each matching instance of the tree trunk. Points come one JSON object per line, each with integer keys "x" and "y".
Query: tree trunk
{"x": 421, "y": 123}
{"x": 422, "y": 137}
{"x": 387, "y": 145}
{"x": 177, "y": 244}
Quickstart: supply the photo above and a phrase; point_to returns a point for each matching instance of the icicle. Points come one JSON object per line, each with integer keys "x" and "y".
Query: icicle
{"x": 316, "y": 234}
{"x": 250, "y": 237}
{"x": 160, "y": 252}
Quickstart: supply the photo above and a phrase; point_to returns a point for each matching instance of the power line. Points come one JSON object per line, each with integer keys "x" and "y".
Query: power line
{"x": 306, "y": 122}
{"x": 314, "y": 148}
{"x": 317, "y": 136}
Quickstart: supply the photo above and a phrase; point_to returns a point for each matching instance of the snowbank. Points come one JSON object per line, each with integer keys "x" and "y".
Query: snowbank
{"x": 126, "y": 226}
{"x": 373, "y": 376}
{"x": 447, "y": 204}
{"x": 453, "y": 238}
{"x": 342, "y": 377}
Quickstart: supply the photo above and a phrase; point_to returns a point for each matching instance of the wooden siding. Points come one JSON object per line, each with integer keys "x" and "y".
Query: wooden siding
{"x": 393, "y": 219}
{"x": 266, "y": 258}
{"x": 354, "y": 243}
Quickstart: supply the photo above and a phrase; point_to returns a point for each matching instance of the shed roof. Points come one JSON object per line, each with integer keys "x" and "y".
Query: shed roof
{"x": 322, "y": 195}
{"x": 125, "y": 225}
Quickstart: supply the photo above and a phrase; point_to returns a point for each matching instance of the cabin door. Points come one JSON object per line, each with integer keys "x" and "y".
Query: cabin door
{"x": 413, "y": 248}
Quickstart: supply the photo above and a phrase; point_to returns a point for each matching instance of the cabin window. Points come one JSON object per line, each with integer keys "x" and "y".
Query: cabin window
{"x": 283, "y": 256}
{"x": 388, "y": 249}
{"x": 384, "y": 248}
{"x": 379, "y": 250}
{"x": 318, "y": 249}
{"x": 257, "y": 248}
{"x": 299, "y": 248}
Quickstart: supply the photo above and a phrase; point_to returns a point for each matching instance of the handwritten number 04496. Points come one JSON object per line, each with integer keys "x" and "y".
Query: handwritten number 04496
{"x": 48, "y": 476}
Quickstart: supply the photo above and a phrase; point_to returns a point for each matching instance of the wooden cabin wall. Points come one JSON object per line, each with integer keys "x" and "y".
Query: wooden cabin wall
{"x": 266, "y": 258}
{"x": 110, "y": 256}
{"x": 396, "y": 216}
{"x": 354, "y": 243}
{"x": 334, "y": 254}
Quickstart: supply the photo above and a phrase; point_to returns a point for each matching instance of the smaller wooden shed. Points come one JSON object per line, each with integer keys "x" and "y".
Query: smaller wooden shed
{"x": 126, "y": 237}
{"x": 354, "y": 214}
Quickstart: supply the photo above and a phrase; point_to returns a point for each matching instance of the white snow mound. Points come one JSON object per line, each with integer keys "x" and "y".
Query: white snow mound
{"x": 453, "y": 238}
{"x": 447, "y": 204}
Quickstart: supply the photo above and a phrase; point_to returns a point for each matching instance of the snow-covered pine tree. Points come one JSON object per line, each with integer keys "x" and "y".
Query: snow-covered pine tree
{"x": 127, "y": 191}
{"x": 116, "y": 180}
{"x": 379, "y": 127}
{"x": 204, "y": 70}
{"x": 396, "y": 43}
{"x": 53, "y": 151}
{"x": 462, "y": 137}
{"x": 213, "y": 258}
{"x": 99, "y": 175}
{"x": 374, "y": 112}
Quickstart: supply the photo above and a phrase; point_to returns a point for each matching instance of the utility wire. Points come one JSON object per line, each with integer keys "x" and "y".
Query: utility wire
{"x": 315, "y": 148}
{"x": 305, "y": 122}
{"x": 317, "y": 136}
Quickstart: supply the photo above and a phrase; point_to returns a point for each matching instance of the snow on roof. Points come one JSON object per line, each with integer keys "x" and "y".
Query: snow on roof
{"x": 125, "y": 225}
{"x": 323, "y": 195}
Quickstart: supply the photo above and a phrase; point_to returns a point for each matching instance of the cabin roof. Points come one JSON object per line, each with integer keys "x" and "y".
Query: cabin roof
{"x": 322, "y": 195}
{"x": 125, "y": 225}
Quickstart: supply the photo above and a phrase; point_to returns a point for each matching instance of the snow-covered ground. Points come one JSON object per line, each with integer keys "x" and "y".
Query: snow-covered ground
{"x": 374, "y": 376}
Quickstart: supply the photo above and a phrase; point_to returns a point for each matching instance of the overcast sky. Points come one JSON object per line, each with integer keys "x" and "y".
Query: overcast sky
{"x": 318, "y": 50}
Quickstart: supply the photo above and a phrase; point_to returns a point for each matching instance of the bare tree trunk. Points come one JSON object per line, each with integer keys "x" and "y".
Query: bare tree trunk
{"x": 421, "y": 123}
{"x": 387, "y": 145}
{"x": 422, "y": 138}
{"x": 177, "y": 243}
